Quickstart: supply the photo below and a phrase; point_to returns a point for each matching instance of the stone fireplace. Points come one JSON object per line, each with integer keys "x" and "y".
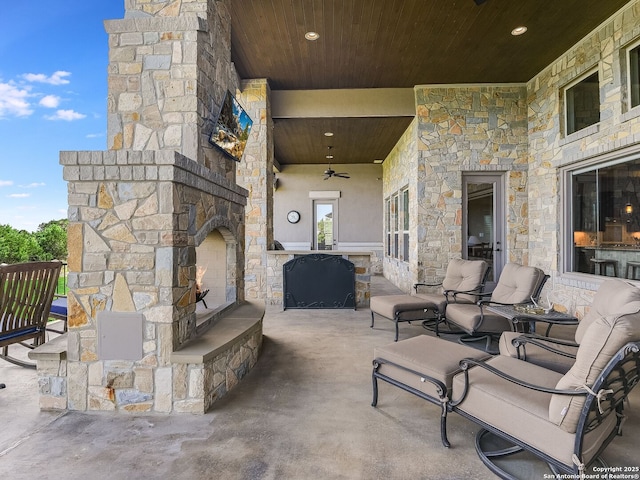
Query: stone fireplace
{"x": 147, "y": 212}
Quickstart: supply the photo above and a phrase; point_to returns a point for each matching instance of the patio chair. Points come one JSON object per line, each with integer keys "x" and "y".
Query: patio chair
{"x": 26, "y": 293}
{"x": 461, "y": 278}
{"x": 517, "y": 284}
{"x": 559, "y": 354}
{"x": 566, "y": 420}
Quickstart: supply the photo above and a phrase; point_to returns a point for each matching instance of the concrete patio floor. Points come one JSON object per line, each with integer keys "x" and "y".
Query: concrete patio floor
{"x": 302, "y": 413}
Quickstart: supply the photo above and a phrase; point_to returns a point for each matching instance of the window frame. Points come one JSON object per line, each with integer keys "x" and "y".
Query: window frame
{"x": 566, "y": 102}
{"x": 397, "y": 221}
{"x": 567, "y": 206}
{"x": 630, "y": 85}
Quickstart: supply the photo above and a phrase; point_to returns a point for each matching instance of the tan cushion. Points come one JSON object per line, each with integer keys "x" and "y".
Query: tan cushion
{"x": 410, "y": 307}
{"x": 522, "y": 412}
{"x": 600, "y": 343}
{"x": 464, "y": 275}
{"x": 461, "y": 275}
{"x": 430, "y": 356}
{"x": 517, "y": 283}
{"x": 538, "y": 355}
{"x": 612, "y": 293}
{"x": 468, "y": 318}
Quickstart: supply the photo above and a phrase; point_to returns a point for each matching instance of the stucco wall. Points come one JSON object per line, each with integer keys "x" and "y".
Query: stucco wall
{"x": 359, "y": 205}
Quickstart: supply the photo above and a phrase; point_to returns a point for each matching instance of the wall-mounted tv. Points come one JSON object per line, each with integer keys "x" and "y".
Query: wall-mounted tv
{"x": 231, "y": 129}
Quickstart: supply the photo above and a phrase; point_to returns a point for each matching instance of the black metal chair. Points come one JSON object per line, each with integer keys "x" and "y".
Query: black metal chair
{"x": 517, "y": 284}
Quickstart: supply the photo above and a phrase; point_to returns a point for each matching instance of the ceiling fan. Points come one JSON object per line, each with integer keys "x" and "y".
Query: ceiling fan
{"x": 329, "y": 172}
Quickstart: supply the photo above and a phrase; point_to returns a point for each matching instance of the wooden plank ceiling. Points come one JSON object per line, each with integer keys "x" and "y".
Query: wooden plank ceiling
{"x": 368, "y": 44}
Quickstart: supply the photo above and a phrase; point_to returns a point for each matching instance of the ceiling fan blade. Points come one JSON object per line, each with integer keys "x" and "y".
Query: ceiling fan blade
{"x": 341, "y": 175}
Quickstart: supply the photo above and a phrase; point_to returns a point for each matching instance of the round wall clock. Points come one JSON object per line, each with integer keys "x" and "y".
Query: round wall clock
{"x": 293, "y": 216}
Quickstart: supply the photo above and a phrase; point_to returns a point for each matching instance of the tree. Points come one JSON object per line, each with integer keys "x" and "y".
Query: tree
{"x": 52, "y": 238}
{"x": 18, "y": 245}
{"x": 49, "y": 242}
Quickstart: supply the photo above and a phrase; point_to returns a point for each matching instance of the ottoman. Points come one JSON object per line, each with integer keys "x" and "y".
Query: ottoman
{"x": 425, "y": 366}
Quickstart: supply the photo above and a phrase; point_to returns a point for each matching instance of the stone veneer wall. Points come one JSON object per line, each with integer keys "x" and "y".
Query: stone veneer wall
{"x": 550, "y": 148}
{"x": 399, "y": 170}
{"x": 169, "y": 68}
{"x": 255, "y": 173}
{"x": 135, "y": 219}
{"x": 471, "y": 128}
{"x": 459, "y": 128}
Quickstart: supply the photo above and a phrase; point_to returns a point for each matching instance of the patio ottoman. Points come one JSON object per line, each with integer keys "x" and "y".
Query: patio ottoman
{"x": 425, "y": 366}
{"x": 403, "y": 308}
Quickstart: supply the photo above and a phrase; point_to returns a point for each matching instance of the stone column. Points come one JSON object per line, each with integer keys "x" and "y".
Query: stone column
{"x": 255, "y": 173}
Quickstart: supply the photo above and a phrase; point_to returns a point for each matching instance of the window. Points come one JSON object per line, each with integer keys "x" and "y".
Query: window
{"x": 397, "y": 225}
{"x": 582, "y": 103}
{"x": 605, "y": 217}
{"x": 634, "y": 75}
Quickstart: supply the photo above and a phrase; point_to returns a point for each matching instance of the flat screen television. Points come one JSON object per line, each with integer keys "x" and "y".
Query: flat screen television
{"x": 231, "y": 129}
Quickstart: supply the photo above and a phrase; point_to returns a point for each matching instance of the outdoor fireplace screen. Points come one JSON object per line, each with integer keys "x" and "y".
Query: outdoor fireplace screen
{"x": 319, "y": 281}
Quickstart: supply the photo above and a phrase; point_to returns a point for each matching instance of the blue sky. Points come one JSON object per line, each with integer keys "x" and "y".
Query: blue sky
{"x": 53, "y": 89}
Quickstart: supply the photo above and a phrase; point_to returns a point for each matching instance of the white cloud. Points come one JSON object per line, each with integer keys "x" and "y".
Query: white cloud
{"x": 33, "y": 185}
{"x": 13, "y": 101}
{"x": 50, "y": 101}
{"x": 6, "y": 183}
{"x": 58, "y": 78}
{"x": 95, "y": 135}
{"x": 67, "y": 115}
{"x": 19, "y": 195}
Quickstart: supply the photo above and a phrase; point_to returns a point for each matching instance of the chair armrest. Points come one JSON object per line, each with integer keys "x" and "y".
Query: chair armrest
{"x": 416, "y": 285}
{"x": 545, "y": 343}
{"x": 467, "y": 363}
{"x": 475, "y": 292}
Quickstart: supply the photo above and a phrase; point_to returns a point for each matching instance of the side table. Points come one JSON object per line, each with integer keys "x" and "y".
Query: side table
{"x": 552, "y": 318}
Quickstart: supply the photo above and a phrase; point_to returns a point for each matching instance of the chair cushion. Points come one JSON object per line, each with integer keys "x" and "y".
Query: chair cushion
{"x": 426, "y": 355}
{"x": 59, "y": 306}
{"x": 602, "y": 340}
{"x": 610, "y": 296}
{"x": 409, "y": 307}
{"x": 517, "y": 283}
{"x": 538, "y": 355}
{"x": 522, "y": 412}
{"x": 464, "y": 275}
{"x": 468, "y": 318}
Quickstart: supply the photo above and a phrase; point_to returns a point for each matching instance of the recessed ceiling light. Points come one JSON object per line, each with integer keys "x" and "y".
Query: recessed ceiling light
{"x": 518, "y": 30}
{"x": 378, "y": 160}
{"x": 312, "y": 36}
{"x": 329, "y": 156}
{"x": 328, "y": 134}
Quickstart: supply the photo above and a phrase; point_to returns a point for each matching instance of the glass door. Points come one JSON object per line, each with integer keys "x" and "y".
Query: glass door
{"x": 325, "y": 235}
{"x": 484, "y": 221}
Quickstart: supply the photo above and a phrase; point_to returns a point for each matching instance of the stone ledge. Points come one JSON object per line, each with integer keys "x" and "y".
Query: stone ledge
{"x": 55, "y": 349}
{"x": 222, "y": 335}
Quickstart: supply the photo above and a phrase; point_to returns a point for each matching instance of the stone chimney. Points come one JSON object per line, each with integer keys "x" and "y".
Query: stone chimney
{"x": 138, "y": 210}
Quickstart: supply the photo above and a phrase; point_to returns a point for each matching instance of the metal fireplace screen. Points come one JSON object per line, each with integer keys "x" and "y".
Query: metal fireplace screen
{"x": 319, "y": 281}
